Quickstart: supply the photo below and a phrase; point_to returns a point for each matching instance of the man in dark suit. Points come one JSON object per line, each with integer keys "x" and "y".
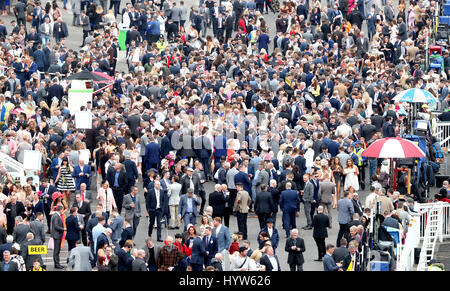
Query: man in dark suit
{"x": 217, "y": 200}
{"x": 270, "y": 260}
{"x": 84, "y": 209}
{"x": 155, "y": 202}
{"x": 352, "y": 258}
{"x": 242, "y": 177}
{"x": 29, "y": 259}
{"x": 125, "y": 261}
{"x": 134, "y": 121}
{"x": 329, "y": 264}
{"x": 20, "y": 230}
{"x": 300, "y": 162}
{"x": 60, "y": 30}
{"x": 264, "y": 205}
{"x": 198, "y": 254}
{"x": 20, "y": 13}
{"x": 127, "y": 232}
{"x": 228, "y": 25}
{"x": 73, "y": 228}
{"x": 204, "y": 148}
{"x": 388, "y": 128}
{"x": 295, "y": 247}
{"x": 131, "y": 171}
{"x": 362, "y": 43}
{"x": 82, "y": 174}
{"x": 152, "y": 154}
{"x": 276, "y": 199}
{"x": 13, "y": 209}
{"x": 210, "y": 245}
{"x": 320, "y": 224}
{"x": 37, "y": 227}
{"x": 118, "y": 182}
{"x": 7, "y": 264}
{"x": 190, "y": 180}
{"x": 289, "y": 204}
{"x": 56, "y": 232}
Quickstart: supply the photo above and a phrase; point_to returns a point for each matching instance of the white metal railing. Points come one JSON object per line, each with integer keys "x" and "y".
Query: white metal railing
{"x": 432, "y": 231}
{"x": 405, "y": 257}
{"x": 442, "y": 133}
{"x": 432, "y": 224}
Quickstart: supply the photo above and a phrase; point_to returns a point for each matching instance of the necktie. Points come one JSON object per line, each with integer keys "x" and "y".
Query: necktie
{"x": 83, "y": 195}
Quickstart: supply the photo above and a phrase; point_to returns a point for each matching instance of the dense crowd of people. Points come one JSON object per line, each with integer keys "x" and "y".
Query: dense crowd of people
{"x": 274, "y": 119}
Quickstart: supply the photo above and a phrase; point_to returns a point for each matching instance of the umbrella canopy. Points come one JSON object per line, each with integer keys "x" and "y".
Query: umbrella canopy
{"x": 415, "y": 96}
{"x": 88, "y": 76}
{"x": 393, "y": 147}
{"x": 107, "y": 78}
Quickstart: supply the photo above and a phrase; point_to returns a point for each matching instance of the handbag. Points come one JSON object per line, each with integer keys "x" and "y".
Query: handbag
{"x": 51, "y": 244}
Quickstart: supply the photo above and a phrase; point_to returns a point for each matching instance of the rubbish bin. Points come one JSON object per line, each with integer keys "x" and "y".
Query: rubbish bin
{"x": 122, "y": 39}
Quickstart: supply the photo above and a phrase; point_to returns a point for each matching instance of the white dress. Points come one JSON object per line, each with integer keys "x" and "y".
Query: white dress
{"x": 351, "y": 179}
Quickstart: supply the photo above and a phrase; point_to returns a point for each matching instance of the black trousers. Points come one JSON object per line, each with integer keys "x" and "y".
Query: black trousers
{"x": 157, "y": 214}
{"x": 118, "y": 197}
{"x": 242, "y": 223}
{"x": 269, "y": 5}
{"x": 295, "y": 267}
{"x": 342, "y": 229}
{"x": 84, "y": 236}
{"x": 233, "y": 194}
{"x": 262, "y": 218}
{"x": 202, "y": 194}
{"x": 320, "y": 242}
{"x": 362, "y": 176}
{"x": 56, "y": 251}
{"x": 226, "y": 216}
{"x": 72, "y": 244}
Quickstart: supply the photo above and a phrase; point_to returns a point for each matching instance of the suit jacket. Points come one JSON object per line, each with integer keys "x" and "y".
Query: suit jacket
{"x": 20, "y": 233}
{"x": 151, "y": 200}
{"x": 12, "y": 268}
{"x": 320, "y": 224}
{"x": 329, "y": 264}
{"x": 266, "y": 262}
{"x": 152, "y": 154}
{"x": 182, "y": 207}
{"x": 289, "y": 201}
{"x": 80, "y": 259}
{"x": 388, "y": 13}
{"x": 138, "y": 265}
{"x": 20, "y": 10}
{"x": 60, "y": 34}
{"x": 243, "y": 178}
{"x": 29, "y": 259}
{"x": 198, "y": 251}
{"x": 300, "y": 162}
{"x": 85, "y": 23}
{"x": 326, "y": 189}
{"x": 185, "y": 183}
{"x": 56, "y": 227}
{"x": 131, "y": 171}
{"x": 263, "y": 178}
{"x": 131, "y": 212}
{"x": 38, "y": 229}
{"x": 111, "y": 175}
{"x": 295, "y": 257}
{"x": 84, "y": 210}
{"x": 223, "y": 238}
{"x": 363, "y": 47}
{"x": 264, "y": 203}
{"x": 127, "y": 234}
{"x": 242, "y": 202}
{"x": 73, "y": 229}
{"x": 217, "y": 201}
{"x": 116, "y": 227}
{"x": 211, "y": 249}
{"x": 175, "y": 14}
{"x": 82, "y": 178}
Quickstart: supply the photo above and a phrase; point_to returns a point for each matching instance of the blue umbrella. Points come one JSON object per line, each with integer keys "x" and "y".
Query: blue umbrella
{"x": 415, "y": 96}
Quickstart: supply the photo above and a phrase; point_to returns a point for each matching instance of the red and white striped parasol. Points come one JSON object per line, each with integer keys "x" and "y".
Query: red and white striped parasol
{"x": 393, "y": 147}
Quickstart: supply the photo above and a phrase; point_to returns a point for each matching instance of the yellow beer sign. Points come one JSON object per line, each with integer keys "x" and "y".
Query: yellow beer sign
{"x": 37, "y": 250}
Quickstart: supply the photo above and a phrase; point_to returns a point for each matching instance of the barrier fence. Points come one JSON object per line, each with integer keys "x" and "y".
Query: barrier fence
{"x": 433, "y": 224}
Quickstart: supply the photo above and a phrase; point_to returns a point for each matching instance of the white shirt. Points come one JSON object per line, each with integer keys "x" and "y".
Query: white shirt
{"x": 273, "y": 261}
{"x": 157, "y": 199}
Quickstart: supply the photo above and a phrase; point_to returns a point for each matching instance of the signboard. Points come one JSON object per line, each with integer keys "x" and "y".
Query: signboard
{"x": 37, "y": 250}
{"x": 32, "y": 160}
{"x": 83, "y": 119}
{"x": 78, "y": 98}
